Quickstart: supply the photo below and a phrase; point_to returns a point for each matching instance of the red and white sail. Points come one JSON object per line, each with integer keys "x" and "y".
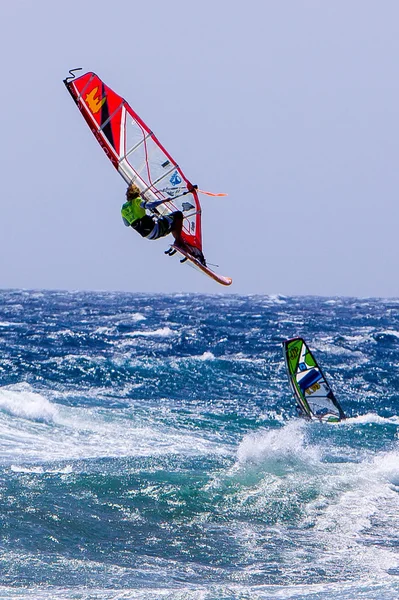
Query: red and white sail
{"x": 136, "y": 153}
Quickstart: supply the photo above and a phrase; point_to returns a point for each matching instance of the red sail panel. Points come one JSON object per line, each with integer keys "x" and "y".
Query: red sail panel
{"x": 136, "y": 153}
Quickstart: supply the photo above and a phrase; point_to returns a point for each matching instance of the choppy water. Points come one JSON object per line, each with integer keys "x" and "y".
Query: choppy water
{"x": 149, "y": 449}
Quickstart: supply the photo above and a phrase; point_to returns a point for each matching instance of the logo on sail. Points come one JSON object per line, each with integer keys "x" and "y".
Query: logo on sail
{"x": 175, "y": 179}
{"x": 94, "y": 103}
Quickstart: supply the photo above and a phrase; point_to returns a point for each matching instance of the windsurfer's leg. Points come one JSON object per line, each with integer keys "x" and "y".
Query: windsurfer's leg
{"x": 162, "y": 226}
{"x": 144, "y": 226}
{"x": 177, "y": 225}
{"x": 176, "y": 230}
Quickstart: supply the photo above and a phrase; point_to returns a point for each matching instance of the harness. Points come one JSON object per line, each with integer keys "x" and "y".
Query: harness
{"x": 132, "y": 210}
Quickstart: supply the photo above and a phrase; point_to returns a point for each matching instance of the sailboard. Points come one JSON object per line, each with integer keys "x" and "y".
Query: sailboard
{"x": 200, "y": 266}
{"x": 139, "y": 157}
{"x": 312, "y": 392}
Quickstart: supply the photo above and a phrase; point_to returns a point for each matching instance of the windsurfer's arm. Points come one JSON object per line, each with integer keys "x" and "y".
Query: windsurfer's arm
{"x": 155, "y": 203}
{"x": 152, "y": 205}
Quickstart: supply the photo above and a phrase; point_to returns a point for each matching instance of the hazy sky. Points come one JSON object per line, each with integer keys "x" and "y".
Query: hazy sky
{"x": 291, "y": 107}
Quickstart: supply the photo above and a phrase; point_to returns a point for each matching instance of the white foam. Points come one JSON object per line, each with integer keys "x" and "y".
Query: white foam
{"x": 162, "y": 332}
{"x": 206, "y": 356}
{"x": 277, "y": 298}
{"x": 20, "y": 401}
{"x": 63, "y": 333}
{"x": 51, "y": 432}
{"x": 366, "y": 589}
{"x": 387, "y": 466}
{"x": 371, "y": 418}
{"x": 40, "y": 470}
{"x": 136, "y": 317}
{"x": 352, "y": 496}
{"x": 104, "y": 330}
{"x": 277, "y": 443}
{"x": 392, "y": 332}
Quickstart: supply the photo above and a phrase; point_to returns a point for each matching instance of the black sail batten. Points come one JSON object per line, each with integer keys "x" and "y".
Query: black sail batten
{"x": 106, "y": 129}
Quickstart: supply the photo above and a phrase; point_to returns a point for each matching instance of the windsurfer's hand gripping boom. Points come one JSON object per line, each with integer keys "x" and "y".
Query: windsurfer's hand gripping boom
{"x": 155, "y": 203}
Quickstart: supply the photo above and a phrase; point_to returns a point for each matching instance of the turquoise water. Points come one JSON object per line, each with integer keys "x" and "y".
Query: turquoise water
{"x": 149, "y": 448}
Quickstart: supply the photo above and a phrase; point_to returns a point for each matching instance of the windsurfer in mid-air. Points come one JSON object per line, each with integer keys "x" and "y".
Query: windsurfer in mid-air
{"x": 153, "y": 227}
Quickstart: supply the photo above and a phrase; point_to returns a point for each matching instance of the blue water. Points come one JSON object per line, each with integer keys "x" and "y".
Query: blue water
{"x": 149, "y": 449}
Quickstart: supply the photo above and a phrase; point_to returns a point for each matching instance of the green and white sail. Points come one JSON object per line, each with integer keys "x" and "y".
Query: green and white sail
{"x": 312, "y": 392}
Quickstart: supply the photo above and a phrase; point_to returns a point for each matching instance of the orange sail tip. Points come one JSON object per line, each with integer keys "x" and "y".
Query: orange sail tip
{"x": 210, "y": 193}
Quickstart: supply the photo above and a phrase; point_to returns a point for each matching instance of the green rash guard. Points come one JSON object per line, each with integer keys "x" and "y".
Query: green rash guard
{"x": 132, "y": 211}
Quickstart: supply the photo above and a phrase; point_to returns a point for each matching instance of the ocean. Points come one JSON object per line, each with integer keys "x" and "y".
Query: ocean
{"x": 149, "y": 448}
